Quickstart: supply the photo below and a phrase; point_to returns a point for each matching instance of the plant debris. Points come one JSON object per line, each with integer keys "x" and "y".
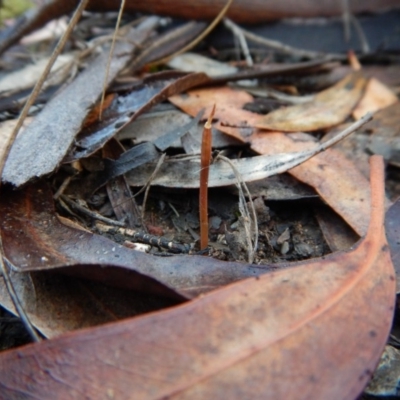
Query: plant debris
{"x": 217, "y": 201}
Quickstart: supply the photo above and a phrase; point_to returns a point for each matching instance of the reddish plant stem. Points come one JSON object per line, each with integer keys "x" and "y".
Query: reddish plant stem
{"x": 204, "y": 172}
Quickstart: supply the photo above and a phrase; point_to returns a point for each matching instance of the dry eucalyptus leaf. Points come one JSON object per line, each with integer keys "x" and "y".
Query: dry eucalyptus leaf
{"x": 118, "y": 190}
{"x": 377, "y": 96}
{"x": 192, "y": 62}
{"x": 151, "y": 125}
{"x": 6, "y": 128}
{"x": 26, "y": 77}
{"x": 334, "y": 177}
{"x": 57, "y": 303}
{"x": 229, "y": 114}
{"x": 328, "y": 108}
{"x": 125, "y": 108}
{"x": 337, "y": 234}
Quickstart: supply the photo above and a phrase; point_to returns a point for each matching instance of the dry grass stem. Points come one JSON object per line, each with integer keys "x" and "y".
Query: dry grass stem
{"x": 249, "y": 219}
{"x": 148, "y": 184}
{"x": 103, "y": 94}
{"x": 242, "y": 40}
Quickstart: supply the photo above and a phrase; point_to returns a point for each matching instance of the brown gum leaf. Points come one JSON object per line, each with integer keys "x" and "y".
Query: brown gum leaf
{"x": 334, "y": 177}
{"x": 229, "y": 116}
{"x": 328, "y": 108}
{"x": 311, "y": 332}
{"x": 376, "y": 97}
{"x": 34, "y": 239}
{"x": 57, "y": 303}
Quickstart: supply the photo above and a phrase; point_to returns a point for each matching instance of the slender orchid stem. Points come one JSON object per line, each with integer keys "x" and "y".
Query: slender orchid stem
{"x": 204, "y": 172}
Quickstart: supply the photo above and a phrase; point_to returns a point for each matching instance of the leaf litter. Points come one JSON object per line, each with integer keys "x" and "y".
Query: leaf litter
{"x": 232, "y": 340}
{"x": 350, "y": 201}
{"x": 184, "y": 174}
{"x": 54, "y": 130}
{"x": 184, "y": 277}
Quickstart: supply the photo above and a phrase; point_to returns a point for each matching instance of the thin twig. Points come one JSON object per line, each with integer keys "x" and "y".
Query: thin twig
{"x": 62, "y": 187}
{"x": 365, "y": 47}
{"x": 103, "y": 94}
{"x": 174, "y": 209}
{"x": 145, "y": 238}
{"x": 353, "y": 127}
{"x": 15, "y": 299}
{"x": 349, "y": 19}
{"x": 242, "y": 40}
{"x": 346, "y": 19}
{"x": 35, "y": 92}
{"x": 91, "y": 214}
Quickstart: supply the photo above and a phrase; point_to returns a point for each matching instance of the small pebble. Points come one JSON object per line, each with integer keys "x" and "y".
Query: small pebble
{"x": 303, "y": 249}
{"x": 284, "y": 248}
